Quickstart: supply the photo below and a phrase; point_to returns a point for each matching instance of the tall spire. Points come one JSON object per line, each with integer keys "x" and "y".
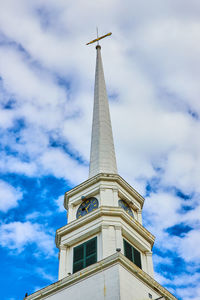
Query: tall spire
{"x": 102, "y": 153}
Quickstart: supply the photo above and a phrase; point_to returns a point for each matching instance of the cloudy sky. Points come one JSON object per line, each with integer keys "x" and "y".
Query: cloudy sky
{"x": 152, "y": 71}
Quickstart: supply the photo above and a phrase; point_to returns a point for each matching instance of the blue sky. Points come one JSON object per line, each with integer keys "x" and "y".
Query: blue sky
{"x": 152, "y": 71}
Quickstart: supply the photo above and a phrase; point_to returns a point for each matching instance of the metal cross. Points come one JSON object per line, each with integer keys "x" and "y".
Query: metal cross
{"x": 99, "y": 38}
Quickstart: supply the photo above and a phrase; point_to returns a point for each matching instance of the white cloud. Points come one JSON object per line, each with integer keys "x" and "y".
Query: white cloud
{"x": 9, "y": 196}
{"x": 192, "y": 293}
{"x": 6, "y": 118}
{"x": 46, "y": 275}
{"x": 15, "y": 66}
{"x": 161, "y": 211}
{"x": 141, "y": 106}
{"x": 162, "y": 260}
{"x": 152, "y": 66}
{"x": 42, "y": 104}
{"x": 182, "y": 282}
{"x": 17, "y": 235}
{"x": 161, "y": 279}
{"x": 58, "y": 163}
{"x": 188, "y": 247}
{"x": 60, "y": 203}
{"x": 33, "y": 216}
{"x": 14, "y": 165}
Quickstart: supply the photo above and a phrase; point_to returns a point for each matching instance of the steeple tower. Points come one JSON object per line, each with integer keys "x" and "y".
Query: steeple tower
{"x": 102, "y": 155}
{"x": 104, "y": 250}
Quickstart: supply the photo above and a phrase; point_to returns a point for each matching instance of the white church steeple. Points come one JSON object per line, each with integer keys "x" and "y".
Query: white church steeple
{"x": 104, "y": 251}
{"x": 102, "y": 155}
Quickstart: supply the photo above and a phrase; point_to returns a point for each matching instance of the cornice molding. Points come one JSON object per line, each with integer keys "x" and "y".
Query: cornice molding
{"x": 98, "y": 213}
{"x": 114, "y": 259}
{"x": 106, "y": 177}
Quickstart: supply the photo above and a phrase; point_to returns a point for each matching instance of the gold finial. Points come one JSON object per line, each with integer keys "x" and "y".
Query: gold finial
{"x": 99, "y": 38}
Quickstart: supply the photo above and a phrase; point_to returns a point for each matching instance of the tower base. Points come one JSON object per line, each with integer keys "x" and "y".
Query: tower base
{"x": 113, "y": 278}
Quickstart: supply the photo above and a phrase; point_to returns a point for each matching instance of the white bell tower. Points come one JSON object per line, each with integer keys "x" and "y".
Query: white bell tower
{"x": 105, "y": 252}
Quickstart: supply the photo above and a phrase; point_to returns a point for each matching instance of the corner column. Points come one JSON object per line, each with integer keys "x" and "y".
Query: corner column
{"x": 139, "y": 214}
{"x": 108, "y": 240}
{"x": 149, "y": 263}
{"x": 62, "y": 262}
{"x": 118, "y": 236}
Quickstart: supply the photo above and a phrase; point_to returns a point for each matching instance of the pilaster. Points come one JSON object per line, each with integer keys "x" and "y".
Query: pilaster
{"x": 149, "y": 261}
{"x": 139, "y": 216}
{"x": 108, "y": 240}
{"x": 62, "y": 262}
{"x": 118, "y": 237}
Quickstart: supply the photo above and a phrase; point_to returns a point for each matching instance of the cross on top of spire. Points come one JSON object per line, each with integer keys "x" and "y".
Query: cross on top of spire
{"x": 99, "y": 38}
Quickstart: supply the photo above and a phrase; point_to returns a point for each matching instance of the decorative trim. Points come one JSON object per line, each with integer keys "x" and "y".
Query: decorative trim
{"x": 148, "y": 253}
{"x": 107, "y": 177}
{"x": 117, "y": 258}
{"x": 63, "y": 247}
{"x": 104, "y": 226}
{"x": 104, "y": 211}
{"x": 118, "y": 227}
